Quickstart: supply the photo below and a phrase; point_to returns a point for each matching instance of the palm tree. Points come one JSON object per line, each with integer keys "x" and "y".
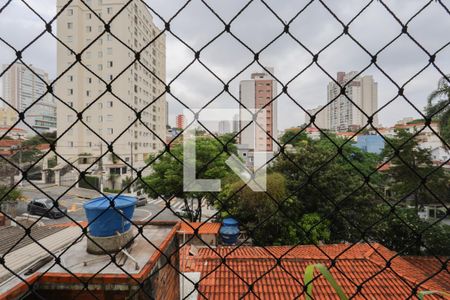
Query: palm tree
{"x": 439, "y": 108}
{"x": 113, "y": 178}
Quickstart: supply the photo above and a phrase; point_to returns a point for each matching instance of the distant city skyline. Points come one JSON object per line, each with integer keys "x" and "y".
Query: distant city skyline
{"x": 226, "y": 57}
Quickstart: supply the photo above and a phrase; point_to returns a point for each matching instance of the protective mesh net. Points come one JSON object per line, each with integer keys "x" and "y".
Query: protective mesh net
{"x": 356, "y": 199}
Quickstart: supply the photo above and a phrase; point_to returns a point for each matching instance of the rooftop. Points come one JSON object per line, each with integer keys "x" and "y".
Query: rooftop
{"x": 359, "y": 264}
{"x": 9, "y": 143}
{"x": 77, "y": 264}
{"x": 203, "y": 228}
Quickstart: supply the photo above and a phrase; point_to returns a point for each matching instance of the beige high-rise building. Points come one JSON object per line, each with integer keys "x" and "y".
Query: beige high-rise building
{"x": 363, "y": 91}
{"x": 256, "y": 93}
{"x": 321, "y": 120}
{"x": 108, "y": 62}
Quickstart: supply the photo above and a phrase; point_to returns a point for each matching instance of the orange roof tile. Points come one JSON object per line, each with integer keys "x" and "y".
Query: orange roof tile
{"x": 42, "y": 147}
{"x": 355, "y": 265}
{"x": 203, "y": 228}
{"x": 385, "y": 167}
{"x": 9, "y": 143}
{"x": 438, "y": 267}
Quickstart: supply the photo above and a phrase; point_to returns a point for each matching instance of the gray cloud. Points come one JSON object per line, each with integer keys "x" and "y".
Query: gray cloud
{"x": 315, "y": 27}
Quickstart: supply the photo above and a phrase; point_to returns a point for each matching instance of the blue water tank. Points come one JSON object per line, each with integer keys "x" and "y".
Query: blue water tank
{"x": 229, "y": 232}
{"x": 104, "y": 220}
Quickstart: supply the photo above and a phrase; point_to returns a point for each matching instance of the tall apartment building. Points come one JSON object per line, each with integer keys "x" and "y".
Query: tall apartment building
{"x": 363, "y": 91}
{"x": 108, "y": 114}
{"x": 180, "y": 121}
{"x": 321, "y": 120}
{"x": 224, "y": 127}
{"x": 21, "y": 88}
{"x": 235, "y": 128}
{"x": 255, "y": 93}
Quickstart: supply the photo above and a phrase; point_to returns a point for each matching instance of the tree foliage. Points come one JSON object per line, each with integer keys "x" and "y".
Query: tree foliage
{"x": 166, "y": 178}
{"x": 9, "y": 195}
{"x": 409, "y": 165}
{"x": 439, "y": 109}
{"x": 332, "y": 185}
{"x": 267, "y": 215}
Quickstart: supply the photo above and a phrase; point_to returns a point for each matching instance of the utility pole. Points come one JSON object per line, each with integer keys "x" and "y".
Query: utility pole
{"x": 100, "y": 167}
{"x": 20, "y": 156}
{"x": 131, "y": 162}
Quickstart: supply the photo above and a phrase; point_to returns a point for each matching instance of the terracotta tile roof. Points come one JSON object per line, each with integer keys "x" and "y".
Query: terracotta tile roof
{"x": 5, "y": 153}
{"x": 354, "y": 265}
{"x": 385, "y": 167}
{"x": 9, "y": 143}
{"x": 42, "y": 147}
{"x": 203, "y": 228}
{"x": 438, "y": 267}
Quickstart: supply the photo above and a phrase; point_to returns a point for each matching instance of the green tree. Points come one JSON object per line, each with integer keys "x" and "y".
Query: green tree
{"x": 399, "y": 232}
{"x": 112, "y": 178}
{"x": 43, "y": 138}
{"x": 407, "y": 169}
{"x": 271, "y": 218}
{"x": 8, "y": 195}
{"x": 166, "y": 178}
{"x": 332, "y": 183}
{"x": 293, "y": 137}
{"x": 439, "y": 107}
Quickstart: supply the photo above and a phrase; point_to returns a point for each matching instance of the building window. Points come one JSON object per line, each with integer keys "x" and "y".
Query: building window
{"x": 70, "y": 12}
{"x": 70, "y": 77}
{"x": 88, "y": 28}
{"x": 89, "y": 79}
{"x": 100, "y": 119}
{"x": 88, "y": 16}
{"x": 69, "y": 39}
{"x": 109, "y": 10}
{"x": 110, "y": 63}
{"x": 89, "y": 144}
{"x": 70, "y": 91}
{"x": 109, "y": 130}
{"x": 114, "y": 171}
{"x": 109, "y": 51}
{"x": 109, "y": 104}
{"x": 100, "y": 67}
{"x": 88, "y": 119}
{"x": 70, "y": 144}
{"x": 109, "y": 118}
{"x": 69, "y": 25}
{"x": 88, "y": 93}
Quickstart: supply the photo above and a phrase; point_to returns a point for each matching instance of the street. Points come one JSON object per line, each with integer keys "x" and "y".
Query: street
{"x": 74, "y": 198}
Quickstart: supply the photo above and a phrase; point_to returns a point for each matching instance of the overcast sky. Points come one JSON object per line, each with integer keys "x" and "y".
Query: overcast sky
{"x": 257, "y": 26}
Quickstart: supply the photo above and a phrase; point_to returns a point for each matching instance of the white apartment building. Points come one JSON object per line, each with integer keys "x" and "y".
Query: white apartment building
{"x": 256, "y": 93}
{"x": 24, "y": 91}
{"x": 321, "y": 120}
{"x": 108, "y": 61}
{"x": 363, "y": 91}
{"x": 224, "y": 127}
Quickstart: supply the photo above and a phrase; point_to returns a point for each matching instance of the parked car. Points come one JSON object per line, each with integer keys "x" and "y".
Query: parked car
{"x": 44, "y": 207}
{"x": 141, "y": 201}
{"x": 182, "y": 213}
